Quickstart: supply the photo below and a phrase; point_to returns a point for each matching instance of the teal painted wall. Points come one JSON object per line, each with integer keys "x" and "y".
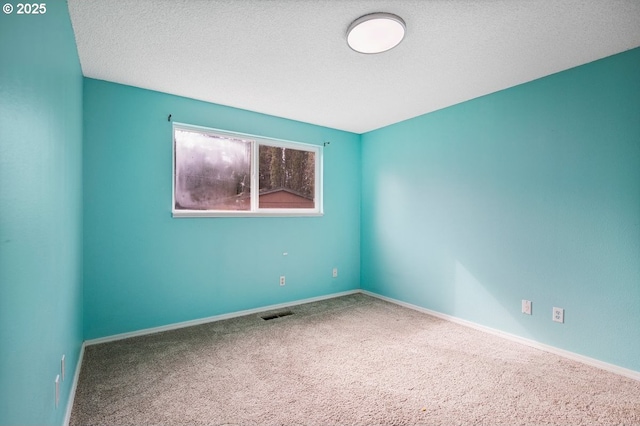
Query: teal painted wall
{"x": 144, "y": 268}
{"x": 41, "y": 213}
{"x": 528, "y": 193}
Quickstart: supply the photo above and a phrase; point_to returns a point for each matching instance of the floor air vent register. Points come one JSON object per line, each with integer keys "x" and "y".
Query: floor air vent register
{"x": 277, "y": 315}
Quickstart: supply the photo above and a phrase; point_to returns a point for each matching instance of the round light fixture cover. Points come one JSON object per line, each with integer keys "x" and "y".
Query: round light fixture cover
{"x": 376, "y": 32}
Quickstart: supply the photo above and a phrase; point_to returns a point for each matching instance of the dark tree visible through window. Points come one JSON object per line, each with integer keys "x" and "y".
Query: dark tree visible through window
{"x": 287, "y": 169}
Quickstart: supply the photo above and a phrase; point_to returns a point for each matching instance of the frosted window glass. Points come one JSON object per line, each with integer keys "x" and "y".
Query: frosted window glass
{"x": 212, "y": 172}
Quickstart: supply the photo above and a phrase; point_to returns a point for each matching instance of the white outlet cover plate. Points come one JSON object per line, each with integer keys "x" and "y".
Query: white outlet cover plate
{"x": 526, "y": 307}
{"x": 57, "y": 382}
{"x": 558, "y": 315}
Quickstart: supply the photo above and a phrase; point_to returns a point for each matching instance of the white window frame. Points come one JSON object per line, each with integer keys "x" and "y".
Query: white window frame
{"x": 255, "y": 210}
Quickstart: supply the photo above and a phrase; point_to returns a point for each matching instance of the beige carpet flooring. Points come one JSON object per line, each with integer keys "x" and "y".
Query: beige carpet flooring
{"x": 353, "y": 360}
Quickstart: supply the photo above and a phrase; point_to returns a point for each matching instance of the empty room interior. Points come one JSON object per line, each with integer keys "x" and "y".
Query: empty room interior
{"x": 201, "y": 200}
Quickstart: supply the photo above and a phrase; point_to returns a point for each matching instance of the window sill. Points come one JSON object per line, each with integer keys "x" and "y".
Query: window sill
{"x": 274, "y": 213}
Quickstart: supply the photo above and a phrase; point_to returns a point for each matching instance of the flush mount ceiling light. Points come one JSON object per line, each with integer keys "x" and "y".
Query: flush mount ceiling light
{"x": 376, "y": 32}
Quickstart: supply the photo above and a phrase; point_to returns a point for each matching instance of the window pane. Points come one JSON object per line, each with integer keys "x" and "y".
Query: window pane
{"x": 213, "y": 172}
{"x": 287, "y": 178}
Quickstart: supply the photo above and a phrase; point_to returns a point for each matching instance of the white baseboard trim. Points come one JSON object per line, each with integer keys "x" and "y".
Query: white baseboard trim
{"x": 632, "y": 374}
{"x": 213, "y": 318}
{"x": 74, "y": 386}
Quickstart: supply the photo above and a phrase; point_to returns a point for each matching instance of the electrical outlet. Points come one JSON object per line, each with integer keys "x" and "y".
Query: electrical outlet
{"x": 558, "y": 314}
{"x": 57, "y": 390}
{"x": 282, "y": 281}
{"x": 526, "y": 307}
{"x": 62, "y": 368}
{"x": 335, "y": 272}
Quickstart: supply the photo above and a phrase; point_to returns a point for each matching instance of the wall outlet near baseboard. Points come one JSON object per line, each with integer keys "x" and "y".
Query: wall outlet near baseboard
{"x": 526, "y": 307}
{"x": 282, "y": 280}
{"x": 558, "y": 314}
{"x": 335, "y": 272}
{"x": 57, "y": 390}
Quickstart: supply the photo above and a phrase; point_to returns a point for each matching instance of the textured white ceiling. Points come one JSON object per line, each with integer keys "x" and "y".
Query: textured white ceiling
{"x": 290, "y": 58}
